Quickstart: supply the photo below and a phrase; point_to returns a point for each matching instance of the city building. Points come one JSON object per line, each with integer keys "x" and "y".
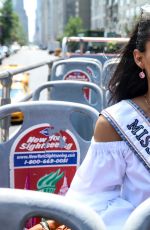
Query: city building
{"x": 128, "y": 14}
{"x": 49, "y": 23}
{"x": 116, "y": 17}
{"x": 83, "y": 8}
{"x": 98, "y": 14}
{"x": 38, "y": 24}
{"x": 52, "y": 17}
{"x": 19, "y": 9}
{"x": 112, "y": 17}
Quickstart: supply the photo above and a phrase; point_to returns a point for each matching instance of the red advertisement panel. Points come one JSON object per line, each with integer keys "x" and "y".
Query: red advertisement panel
{"x": 43, "y": 160}
{"x": 81, "y": 76}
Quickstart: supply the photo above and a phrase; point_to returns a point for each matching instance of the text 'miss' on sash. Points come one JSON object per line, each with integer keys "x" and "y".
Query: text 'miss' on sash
{"x": 133, "y": 127}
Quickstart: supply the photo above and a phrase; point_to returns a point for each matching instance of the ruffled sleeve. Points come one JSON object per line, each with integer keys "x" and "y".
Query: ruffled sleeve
{"x": 100, "y": 176}
{"x": 112, "y": 181}
{"x": 98, "y": 182}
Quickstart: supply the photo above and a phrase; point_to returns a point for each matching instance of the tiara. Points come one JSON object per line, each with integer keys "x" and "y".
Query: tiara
{"x": 145, "y": 11}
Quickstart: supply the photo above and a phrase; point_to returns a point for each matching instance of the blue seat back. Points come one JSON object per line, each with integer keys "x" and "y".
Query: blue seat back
{"x": 46, "y": 151}
{"x": 101, "y": 57}
{"x": 73, "y": 91}
{"x": 77, "y": 69}
{"x": 17, "y": 206}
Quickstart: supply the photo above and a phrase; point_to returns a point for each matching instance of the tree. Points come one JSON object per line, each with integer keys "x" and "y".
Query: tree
{"x": 6, "y": 14}
{"x": 73, "y": 27}
{"x": 10, "y": 27}
{"x": 17, "y": 33}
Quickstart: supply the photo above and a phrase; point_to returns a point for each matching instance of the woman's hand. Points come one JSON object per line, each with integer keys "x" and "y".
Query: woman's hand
{"x": 53, "y": 225}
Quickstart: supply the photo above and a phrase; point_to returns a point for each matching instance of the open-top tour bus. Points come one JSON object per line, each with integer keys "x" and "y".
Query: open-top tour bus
{"x": 91, "y": 45}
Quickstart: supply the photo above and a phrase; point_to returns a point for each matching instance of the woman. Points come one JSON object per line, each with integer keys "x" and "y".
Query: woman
{"x": 118, "y": 157}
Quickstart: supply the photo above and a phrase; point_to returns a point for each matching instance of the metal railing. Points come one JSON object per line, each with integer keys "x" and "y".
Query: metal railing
{"x": 6, "y": 82}
{"x": 81, "y": 40}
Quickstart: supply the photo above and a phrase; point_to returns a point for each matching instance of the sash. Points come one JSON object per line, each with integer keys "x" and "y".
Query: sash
{"x": 133, "y": 127}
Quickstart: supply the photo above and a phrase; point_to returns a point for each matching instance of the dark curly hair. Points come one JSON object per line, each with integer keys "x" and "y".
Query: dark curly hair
{"x": 125, "y": 82}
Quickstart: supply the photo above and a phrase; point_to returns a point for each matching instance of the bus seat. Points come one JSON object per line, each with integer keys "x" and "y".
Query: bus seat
{"x": 45, "y": 152}
{"x": 81, "y": 69}
{"x": 17, "y": 206}
{"x": 73, "y": 91}
{"x": 139, "y": 218}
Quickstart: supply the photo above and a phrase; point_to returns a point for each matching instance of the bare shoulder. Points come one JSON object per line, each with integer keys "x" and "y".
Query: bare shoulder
{"x": 104, "y": 131}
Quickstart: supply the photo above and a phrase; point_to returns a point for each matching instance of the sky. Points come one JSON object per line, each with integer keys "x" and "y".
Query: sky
{"x": 30, "y": 7}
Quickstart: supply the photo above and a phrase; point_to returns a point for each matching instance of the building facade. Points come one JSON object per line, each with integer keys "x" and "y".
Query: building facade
{"x": 83, "y": 10}
{"x": 52, "y": 17}
{"x": 19, "y": 9}
{"x": 113, "y": 17}
{"x": 128, "y": 14}
{"x": 117, "y": 17}
{"x": 98, "y": 15}
{"x": 49, "y": 23}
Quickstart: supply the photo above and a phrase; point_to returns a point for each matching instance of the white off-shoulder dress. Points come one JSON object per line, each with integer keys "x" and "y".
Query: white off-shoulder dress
{"x": 112, "y": 181}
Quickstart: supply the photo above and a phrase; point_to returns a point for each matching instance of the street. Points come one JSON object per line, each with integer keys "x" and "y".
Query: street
{"x": 28, "y": 56}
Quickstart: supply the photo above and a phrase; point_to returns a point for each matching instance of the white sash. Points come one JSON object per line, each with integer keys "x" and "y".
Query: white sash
{"x": 133, "y": 126}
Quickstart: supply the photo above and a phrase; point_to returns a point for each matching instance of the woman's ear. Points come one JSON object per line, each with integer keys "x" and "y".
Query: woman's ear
{"x": 138, "y": 58}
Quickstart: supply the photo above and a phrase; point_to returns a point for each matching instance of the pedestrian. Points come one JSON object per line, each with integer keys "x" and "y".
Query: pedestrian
{"x": 114, "y": 177}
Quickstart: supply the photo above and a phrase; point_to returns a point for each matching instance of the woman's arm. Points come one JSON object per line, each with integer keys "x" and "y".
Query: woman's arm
{"x": 104, "y": 131}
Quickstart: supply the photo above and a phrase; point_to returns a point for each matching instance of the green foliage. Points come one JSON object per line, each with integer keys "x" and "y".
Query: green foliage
{"x": 17, "y": 33}
{"x": 73, "y": 27}
{"x": 111, "y": 47}
{"x": 6, "y": 13}
{"x": 10, "y": 27}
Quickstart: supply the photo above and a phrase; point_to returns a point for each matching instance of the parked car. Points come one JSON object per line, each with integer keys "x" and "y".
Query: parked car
{"x": 6, "y": 51}
{"x": 1, "y": 58}
{"x": 15, "y": 47}
{"x": 18, "y": 91}
{"x": 2, "y": 54}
